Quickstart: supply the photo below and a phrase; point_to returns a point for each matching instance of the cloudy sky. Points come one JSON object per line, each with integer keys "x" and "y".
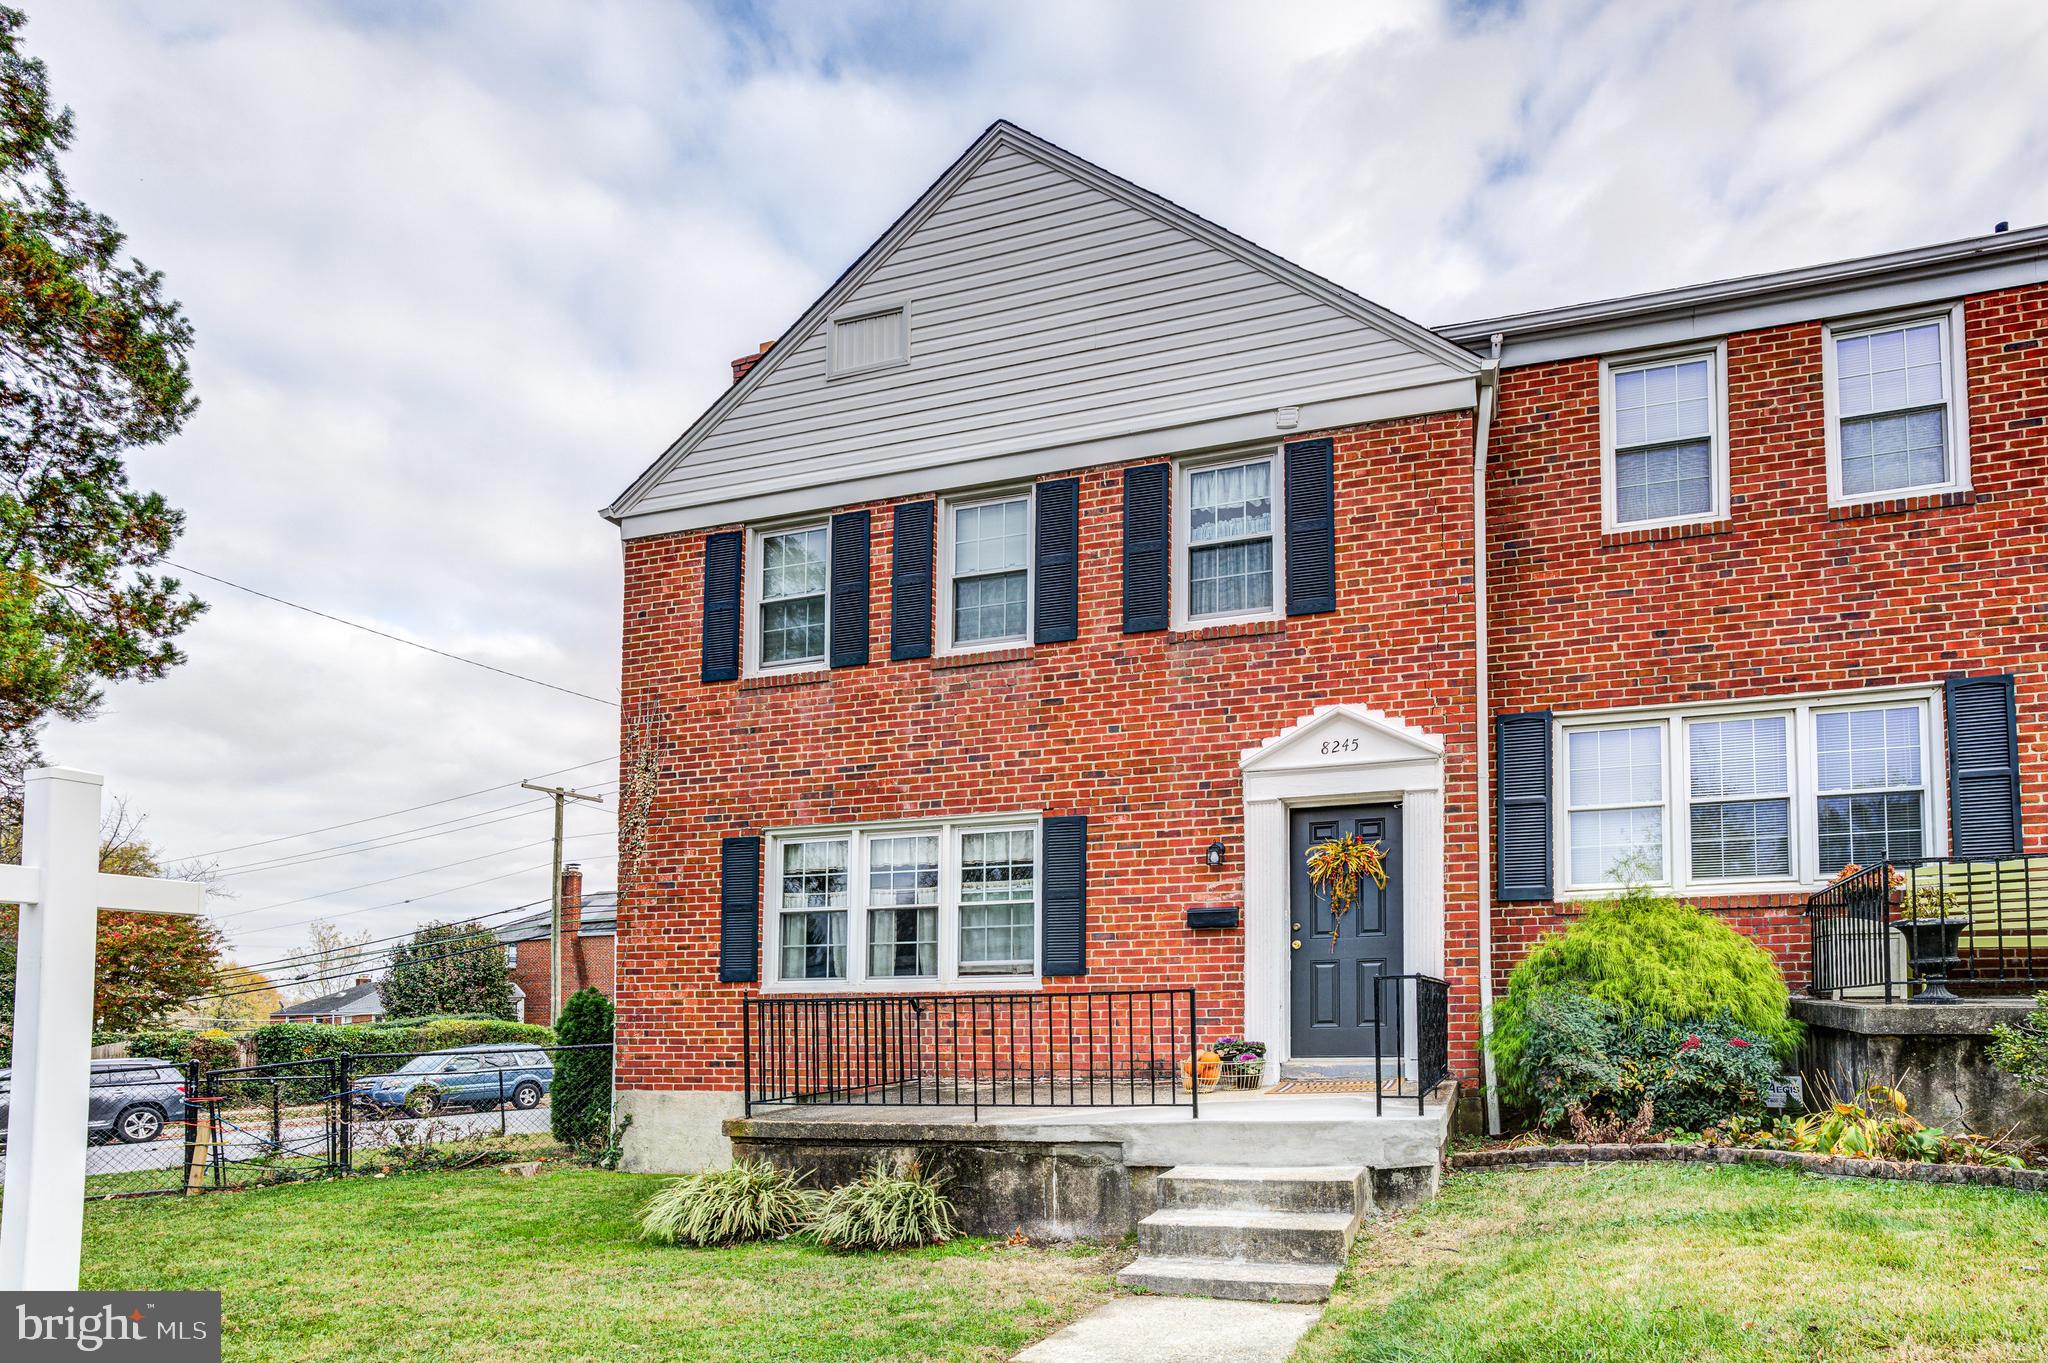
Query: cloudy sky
{"x": 459, "y": 271}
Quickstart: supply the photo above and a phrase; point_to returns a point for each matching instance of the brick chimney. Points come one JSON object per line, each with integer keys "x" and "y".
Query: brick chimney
{"x": 572, "y": 925}
{"x": 572, "y": 895}
{"x": 747, "y": 362}
{"x": 362, "y": 980}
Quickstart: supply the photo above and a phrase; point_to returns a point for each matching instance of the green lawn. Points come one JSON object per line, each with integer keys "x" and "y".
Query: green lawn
{"x": 481, "y": 1266}
{"x": 1644, "y": 1264}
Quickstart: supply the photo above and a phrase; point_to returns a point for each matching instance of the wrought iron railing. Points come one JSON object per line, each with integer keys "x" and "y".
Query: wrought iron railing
{"x": 1863, "y": 928}
{"x": 1092, "y": 1048}
{"x": 1404, "y": 1006}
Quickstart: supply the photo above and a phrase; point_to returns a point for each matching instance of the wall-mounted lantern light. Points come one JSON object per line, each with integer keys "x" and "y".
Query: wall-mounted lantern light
{"x": 1214, "y": 856}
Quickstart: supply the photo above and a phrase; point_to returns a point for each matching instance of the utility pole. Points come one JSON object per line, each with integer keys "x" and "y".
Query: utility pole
{"x": 560, "y": 794}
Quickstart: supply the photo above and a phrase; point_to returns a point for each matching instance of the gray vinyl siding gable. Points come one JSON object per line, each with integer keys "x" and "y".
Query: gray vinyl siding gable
{"x": 1045, "y": 310}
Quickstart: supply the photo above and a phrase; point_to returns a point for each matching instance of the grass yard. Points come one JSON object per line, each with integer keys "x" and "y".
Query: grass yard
{"x": 479, "y": 1267}
{"x": 1644, "y": 1264}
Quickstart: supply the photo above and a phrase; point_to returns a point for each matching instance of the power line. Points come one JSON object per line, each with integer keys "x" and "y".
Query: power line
{"x": 494, "y": 945}
{"x": 373, "y": 818}
{"x": 397, "y": 838}
{"x": 409, "y": 875}
{"x": 414, "y": 899}
{"x": 395, "y": 638}
{"x": 372, "y": 946}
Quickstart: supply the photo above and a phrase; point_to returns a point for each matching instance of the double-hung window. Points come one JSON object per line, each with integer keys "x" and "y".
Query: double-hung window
{"x": 791, "y": 573}
{"x": 1895, "y": 410}
{"x": 907, "y": 905}
{"x": 1778, "y": 794}
{"x": 1229, "y": 543}
{"x": 1665, "y": 452}
{"x": 987, "y": 568}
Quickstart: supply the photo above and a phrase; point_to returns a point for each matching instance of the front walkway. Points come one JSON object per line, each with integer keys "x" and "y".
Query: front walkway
{"x": 1178, "y": 1330}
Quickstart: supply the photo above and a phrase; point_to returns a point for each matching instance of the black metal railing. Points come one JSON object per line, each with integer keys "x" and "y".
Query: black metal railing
{"x": 1405, "y": 1006}
{"x": 1092, "y": 1048}
{"x": 1997, "y": 912}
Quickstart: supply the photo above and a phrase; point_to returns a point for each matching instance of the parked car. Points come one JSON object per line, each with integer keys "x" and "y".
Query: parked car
{"x": 131, "y": 1100}
{"x": 462, "y": 1076}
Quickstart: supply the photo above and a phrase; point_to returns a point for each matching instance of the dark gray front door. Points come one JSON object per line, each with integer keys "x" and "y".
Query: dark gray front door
{"x": 1333, "y": 981}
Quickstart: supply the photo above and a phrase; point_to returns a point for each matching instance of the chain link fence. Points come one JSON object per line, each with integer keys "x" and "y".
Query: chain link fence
{"x": 158, "y": 1128}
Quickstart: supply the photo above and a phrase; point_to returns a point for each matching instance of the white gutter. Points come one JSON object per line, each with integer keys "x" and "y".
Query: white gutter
{"x": 1489, "y": 383}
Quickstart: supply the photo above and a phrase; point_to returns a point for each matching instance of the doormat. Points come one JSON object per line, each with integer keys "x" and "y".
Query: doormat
{"x": 1326, "y": 1086}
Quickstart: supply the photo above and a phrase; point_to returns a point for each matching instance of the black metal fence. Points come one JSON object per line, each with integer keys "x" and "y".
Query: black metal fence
{"x": 1092, "y": 1048}
{"x": 1423, "y": 1003}
{"x": 157, "y": 1128}
{"x": 1980, "y": 925}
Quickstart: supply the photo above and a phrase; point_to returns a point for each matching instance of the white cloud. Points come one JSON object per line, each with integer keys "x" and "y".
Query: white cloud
{"x": 459, "y": 272}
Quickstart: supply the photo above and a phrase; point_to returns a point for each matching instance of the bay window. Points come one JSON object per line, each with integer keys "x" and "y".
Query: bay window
{"x": 908, "y": 905}
{"x": 1768, "y": 795}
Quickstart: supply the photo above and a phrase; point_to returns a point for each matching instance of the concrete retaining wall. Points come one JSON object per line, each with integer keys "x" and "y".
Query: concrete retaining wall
{"x": 1937, "y": 1055}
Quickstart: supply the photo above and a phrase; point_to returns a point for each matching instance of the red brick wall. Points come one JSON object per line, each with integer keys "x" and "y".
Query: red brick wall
{"x": 585, "y": 961}
{"x": 1785, "y": 596}
{"x": 1142, "y": 733}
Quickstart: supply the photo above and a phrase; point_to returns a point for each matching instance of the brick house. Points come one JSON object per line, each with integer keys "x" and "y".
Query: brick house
{"x": 589, "y": 926}
{"x": 1017, "y": 620}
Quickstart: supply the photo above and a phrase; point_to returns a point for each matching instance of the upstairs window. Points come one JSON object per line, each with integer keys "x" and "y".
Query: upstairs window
{"x": 988, "y": 573}
{"x": 792, "y": 570}
{"x": 1228, "y": 544}
{"x": 1664, "y": 456}
{"x": 870, "y": 340}
{"x": 1894, "y": 417}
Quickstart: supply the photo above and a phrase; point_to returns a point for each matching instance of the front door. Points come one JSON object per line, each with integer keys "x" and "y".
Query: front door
{"x": 1332, "y": 989}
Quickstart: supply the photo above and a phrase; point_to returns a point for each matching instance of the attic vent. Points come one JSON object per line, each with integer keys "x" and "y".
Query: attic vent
{"x": 870, "y": 341}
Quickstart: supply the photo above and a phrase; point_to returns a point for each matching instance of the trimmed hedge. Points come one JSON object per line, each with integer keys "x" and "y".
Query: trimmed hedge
{"x": 283, "y": 1041}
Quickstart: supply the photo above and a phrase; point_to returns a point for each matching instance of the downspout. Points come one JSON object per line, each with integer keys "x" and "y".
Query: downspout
{"x": 1489, "y": 381}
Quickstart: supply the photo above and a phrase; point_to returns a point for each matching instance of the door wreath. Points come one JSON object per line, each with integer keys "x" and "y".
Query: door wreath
{"x": 1337, "y": 867}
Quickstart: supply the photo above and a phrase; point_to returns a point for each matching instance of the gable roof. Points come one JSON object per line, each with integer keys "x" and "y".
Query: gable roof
{"x": 600, "y": 919}
{"x": 1060, "y": 315}
{"x": 361, "y": 998}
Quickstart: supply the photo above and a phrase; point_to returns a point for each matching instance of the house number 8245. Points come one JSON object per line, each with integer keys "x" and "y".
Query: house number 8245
{"x": 1338, "y": 745}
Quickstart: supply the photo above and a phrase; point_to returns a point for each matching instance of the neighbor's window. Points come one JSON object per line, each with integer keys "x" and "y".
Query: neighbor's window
{"x": 870, "y": 341}
{"x": 813, "y": 909}
{"x": 794, "y": 573}
{"x": 1892, "y": 398}
{"x": 1665, "y": 459}
{"x": 1615, "y": 803}
{"x": 1784, "y": 793}
{"x": 1871, "y": 785}
{"x": 1741, "y": 798}
{"x": 989, "y": 563}
{"x": 1227, "y": 537}
{"x": 905, "y": 904}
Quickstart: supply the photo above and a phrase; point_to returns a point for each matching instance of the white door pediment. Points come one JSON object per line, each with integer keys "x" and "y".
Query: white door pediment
{"x": 1346, "y": 736}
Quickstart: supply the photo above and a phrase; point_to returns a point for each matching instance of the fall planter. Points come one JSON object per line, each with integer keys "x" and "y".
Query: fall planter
{"x": 1931, "y": 946}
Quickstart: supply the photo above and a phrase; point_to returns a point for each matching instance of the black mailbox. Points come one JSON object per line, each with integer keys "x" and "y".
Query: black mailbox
{"x": 1224, "y": 917}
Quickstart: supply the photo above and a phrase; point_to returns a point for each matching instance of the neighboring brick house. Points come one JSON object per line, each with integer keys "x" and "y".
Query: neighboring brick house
{"x": 360, "y": 1002}
{"x": 589, "y": 926}
{"x": 1072, "y": 564}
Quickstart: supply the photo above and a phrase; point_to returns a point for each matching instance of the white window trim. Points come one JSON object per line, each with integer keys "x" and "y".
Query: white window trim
{"x": 750, "y": 600}
{"x": 943, "y": 605}
{"x": 1182, "y": 585}
{"x": 1716, "y": 356}
{"x": 857, "y": 979}
{"x": 1955, "y": 392}
{"x": 1804, "y": 777}
{"x": 858, "y": 312}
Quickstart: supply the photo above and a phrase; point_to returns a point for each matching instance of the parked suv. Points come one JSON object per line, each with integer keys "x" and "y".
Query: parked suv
{"x": 132, "y": 1100}
{"x": 462, "y": 1076}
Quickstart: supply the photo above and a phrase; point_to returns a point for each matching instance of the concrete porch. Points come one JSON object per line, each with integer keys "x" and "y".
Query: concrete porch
{"x": 1062, "y": 1173}
{"x": 1936, "y": 1054}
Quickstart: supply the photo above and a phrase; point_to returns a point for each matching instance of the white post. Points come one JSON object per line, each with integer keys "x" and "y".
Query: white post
{"x": 44, "y": 1210}
{"x": 61, "y": 890}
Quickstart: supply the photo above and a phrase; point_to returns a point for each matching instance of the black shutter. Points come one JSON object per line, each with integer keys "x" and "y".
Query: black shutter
{"x": 739, "y": 910}
{"x": 722, "y": 554}
{"x": 1056, "y": 592}
{"x": 1311, "y": 527}
{"x": 1521, "y": 782}
{"x": 1066, "y": 894}
{"x": 1148, "y": 548}
{"x": 849, "y": 609}
{"x": 1983, "y": 767}
{"x": 910, "y": 582}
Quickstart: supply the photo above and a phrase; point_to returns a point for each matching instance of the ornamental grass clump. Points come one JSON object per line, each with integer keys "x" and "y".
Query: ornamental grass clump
{"x": 752, "y": 1200}
{"x": 884, "y": 1210}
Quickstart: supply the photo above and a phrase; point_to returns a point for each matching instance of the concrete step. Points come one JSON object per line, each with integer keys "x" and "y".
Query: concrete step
{"x": 1230, "y": 1281}
{"x": 1302, "y": 1188}
{"x": 1255, "y": 1236}
{"x": 1361, "y": 1069}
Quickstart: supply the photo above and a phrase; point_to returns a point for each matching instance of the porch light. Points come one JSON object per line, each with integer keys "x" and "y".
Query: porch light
{"x": 1214, "y": 856}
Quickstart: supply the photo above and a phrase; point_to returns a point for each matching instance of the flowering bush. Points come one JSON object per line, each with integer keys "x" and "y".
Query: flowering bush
{"x": 1598, "y": 1071}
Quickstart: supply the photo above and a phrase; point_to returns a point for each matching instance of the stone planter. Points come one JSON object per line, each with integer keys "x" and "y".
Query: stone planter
{"x": 1931, "y": 948}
